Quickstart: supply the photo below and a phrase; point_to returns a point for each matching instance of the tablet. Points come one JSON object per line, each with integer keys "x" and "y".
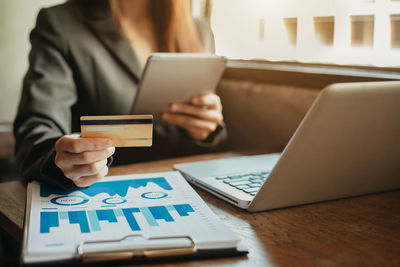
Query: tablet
{"x": 176, "y": 78}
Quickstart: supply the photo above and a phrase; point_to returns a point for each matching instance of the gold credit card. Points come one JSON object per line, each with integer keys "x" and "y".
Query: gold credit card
{"x": 124, "y": 131}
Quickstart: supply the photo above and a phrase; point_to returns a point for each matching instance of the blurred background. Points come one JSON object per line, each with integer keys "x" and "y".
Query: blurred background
{"x": 17, "y": 17}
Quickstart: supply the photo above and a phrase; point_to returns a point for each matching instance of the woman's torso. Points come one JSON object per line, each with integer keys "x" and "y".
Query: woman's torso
{"x": 105, "y": 68}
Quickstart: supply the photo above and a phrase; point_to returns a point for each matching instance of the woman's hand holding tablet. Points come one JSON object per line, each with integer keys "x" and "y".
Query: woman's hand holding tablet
{"x": 179, "y": 89}
{"x": 199, "y": 119}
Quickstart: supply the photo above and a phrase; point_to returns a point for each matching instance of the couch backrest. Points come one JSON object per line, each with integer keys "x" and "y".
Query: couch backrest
{"x": 261, "y": 115}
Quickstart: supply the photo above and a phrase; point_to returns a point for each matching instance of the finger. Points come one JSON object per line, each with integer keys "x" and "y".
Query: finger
{"x": 212, "y": 101}
{"x": 189, "y": 122}
{"x": 89, "y": 180}
{"x": 66, "y": 158}
{"x": 210, "y": 115}
{"x": 77, "y": 144}
{"x": 78, "y": 171}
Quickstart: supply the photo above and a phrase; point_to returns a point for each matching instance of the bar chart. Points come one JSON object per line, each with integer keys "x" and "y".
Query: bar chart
{"x": 89, "y": 220}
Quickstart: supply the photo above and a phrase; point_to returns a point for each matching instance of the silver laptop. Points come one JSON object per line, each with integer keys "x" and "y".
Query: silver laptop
{"x": 348, "y": 144}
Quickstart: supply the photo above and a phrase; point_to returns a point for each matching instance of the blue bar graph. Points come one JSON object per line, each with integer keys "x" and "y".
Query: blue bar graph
{"x": 118, "y": 213}
{"x": 149, "y": 218}
{"x": 161, "y": 212}
{"x": 171, "y": 208}
{"x": 92, "y": 218}
{"x": 184, "y": 209}
{"x": 47, "y": 220}
{"x": 106, "y": 215}
{"x": 94, "y": 221}
{"x": 131, "y": 219}
{"x": 80, "y": 218}
{"x": 63, "y": 215}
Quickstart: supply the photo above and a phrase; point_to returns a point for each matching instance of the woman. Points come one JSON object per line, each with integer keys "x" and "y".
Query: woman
{"x": 86, "y": 59}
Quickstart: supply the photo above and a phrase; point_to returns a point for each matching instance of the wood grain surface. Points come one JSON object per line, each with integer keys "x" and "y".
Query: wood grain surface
{"x": 361, "y": 231}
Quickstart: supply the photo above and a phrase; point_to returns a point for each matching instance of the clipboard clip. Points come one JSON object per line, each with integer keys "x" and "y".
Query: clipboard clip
{"x": 128, "y": 254}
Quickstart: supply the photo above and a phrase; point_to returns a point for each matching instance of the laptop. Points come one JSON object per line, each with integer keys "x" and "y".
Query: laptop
{"x": 348, "y": 144}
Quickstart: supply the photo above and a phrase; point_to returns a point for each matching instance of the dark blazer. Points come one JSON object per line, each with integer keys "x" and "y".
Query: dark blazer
{"x": 79, "y": 65}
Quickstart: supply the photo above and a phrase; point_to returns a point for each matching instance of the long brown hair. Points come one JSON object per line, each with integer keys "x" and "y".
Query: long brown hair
{"x": 174, "y": 28}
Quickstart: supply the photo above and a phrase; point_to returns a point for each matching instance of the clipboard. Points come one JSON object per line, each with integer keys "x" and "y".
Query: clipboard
{"x": 135, "y": 247}
{"x": 141, "y": 256}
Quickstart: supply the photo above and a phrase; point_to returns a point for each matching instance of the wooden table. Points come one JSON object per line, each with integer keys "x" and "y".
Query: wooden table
{"x": 356, "y": 231}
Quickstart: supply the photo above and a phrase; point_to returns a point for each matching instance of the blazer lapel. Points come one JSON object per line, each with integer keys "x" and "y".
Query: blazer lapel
{"x": 102, "y": 24}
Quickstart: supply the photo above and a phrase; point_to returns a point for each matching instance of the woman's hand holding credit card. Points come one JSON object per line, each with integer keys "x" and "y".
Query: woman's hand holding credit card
{"x": 83, "y": 158}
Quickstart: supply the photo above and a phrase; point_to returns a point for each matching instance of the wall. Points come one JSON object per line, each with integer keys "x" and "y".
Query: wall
{"x": 362, "y": 32}
{"x": 17, "y": 17}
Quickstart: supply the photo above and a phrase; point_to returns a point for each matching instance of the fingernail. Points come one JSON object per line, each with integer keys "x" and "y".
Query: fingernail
{"x": 111, "y": 149}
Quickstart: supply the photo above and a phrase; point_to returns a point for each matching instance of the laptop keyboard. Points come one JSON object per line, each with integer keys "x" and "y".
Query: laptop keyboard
{"x": 249, "y": 183}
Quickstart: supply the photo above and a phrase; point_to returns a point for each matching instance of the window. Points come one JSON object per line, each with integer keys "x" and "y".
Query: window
{"x": 261, "y": 30}
{"x": 324, "y": 29}
{"x": 362, "y": 30}
{"x": 291, "y": 28}
{"x": 356, "y": 32}
{"x": 395, "y": 31}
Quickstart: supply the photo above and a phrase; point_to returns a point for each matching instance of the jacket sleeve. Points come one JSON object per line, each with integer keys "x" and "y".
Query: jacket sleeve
{"x": 44, "y": 112}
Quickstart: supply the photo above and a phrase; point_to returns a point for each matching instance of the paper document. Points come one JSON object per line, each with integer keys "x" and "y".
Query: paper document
{"x": 131, "y": 206}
